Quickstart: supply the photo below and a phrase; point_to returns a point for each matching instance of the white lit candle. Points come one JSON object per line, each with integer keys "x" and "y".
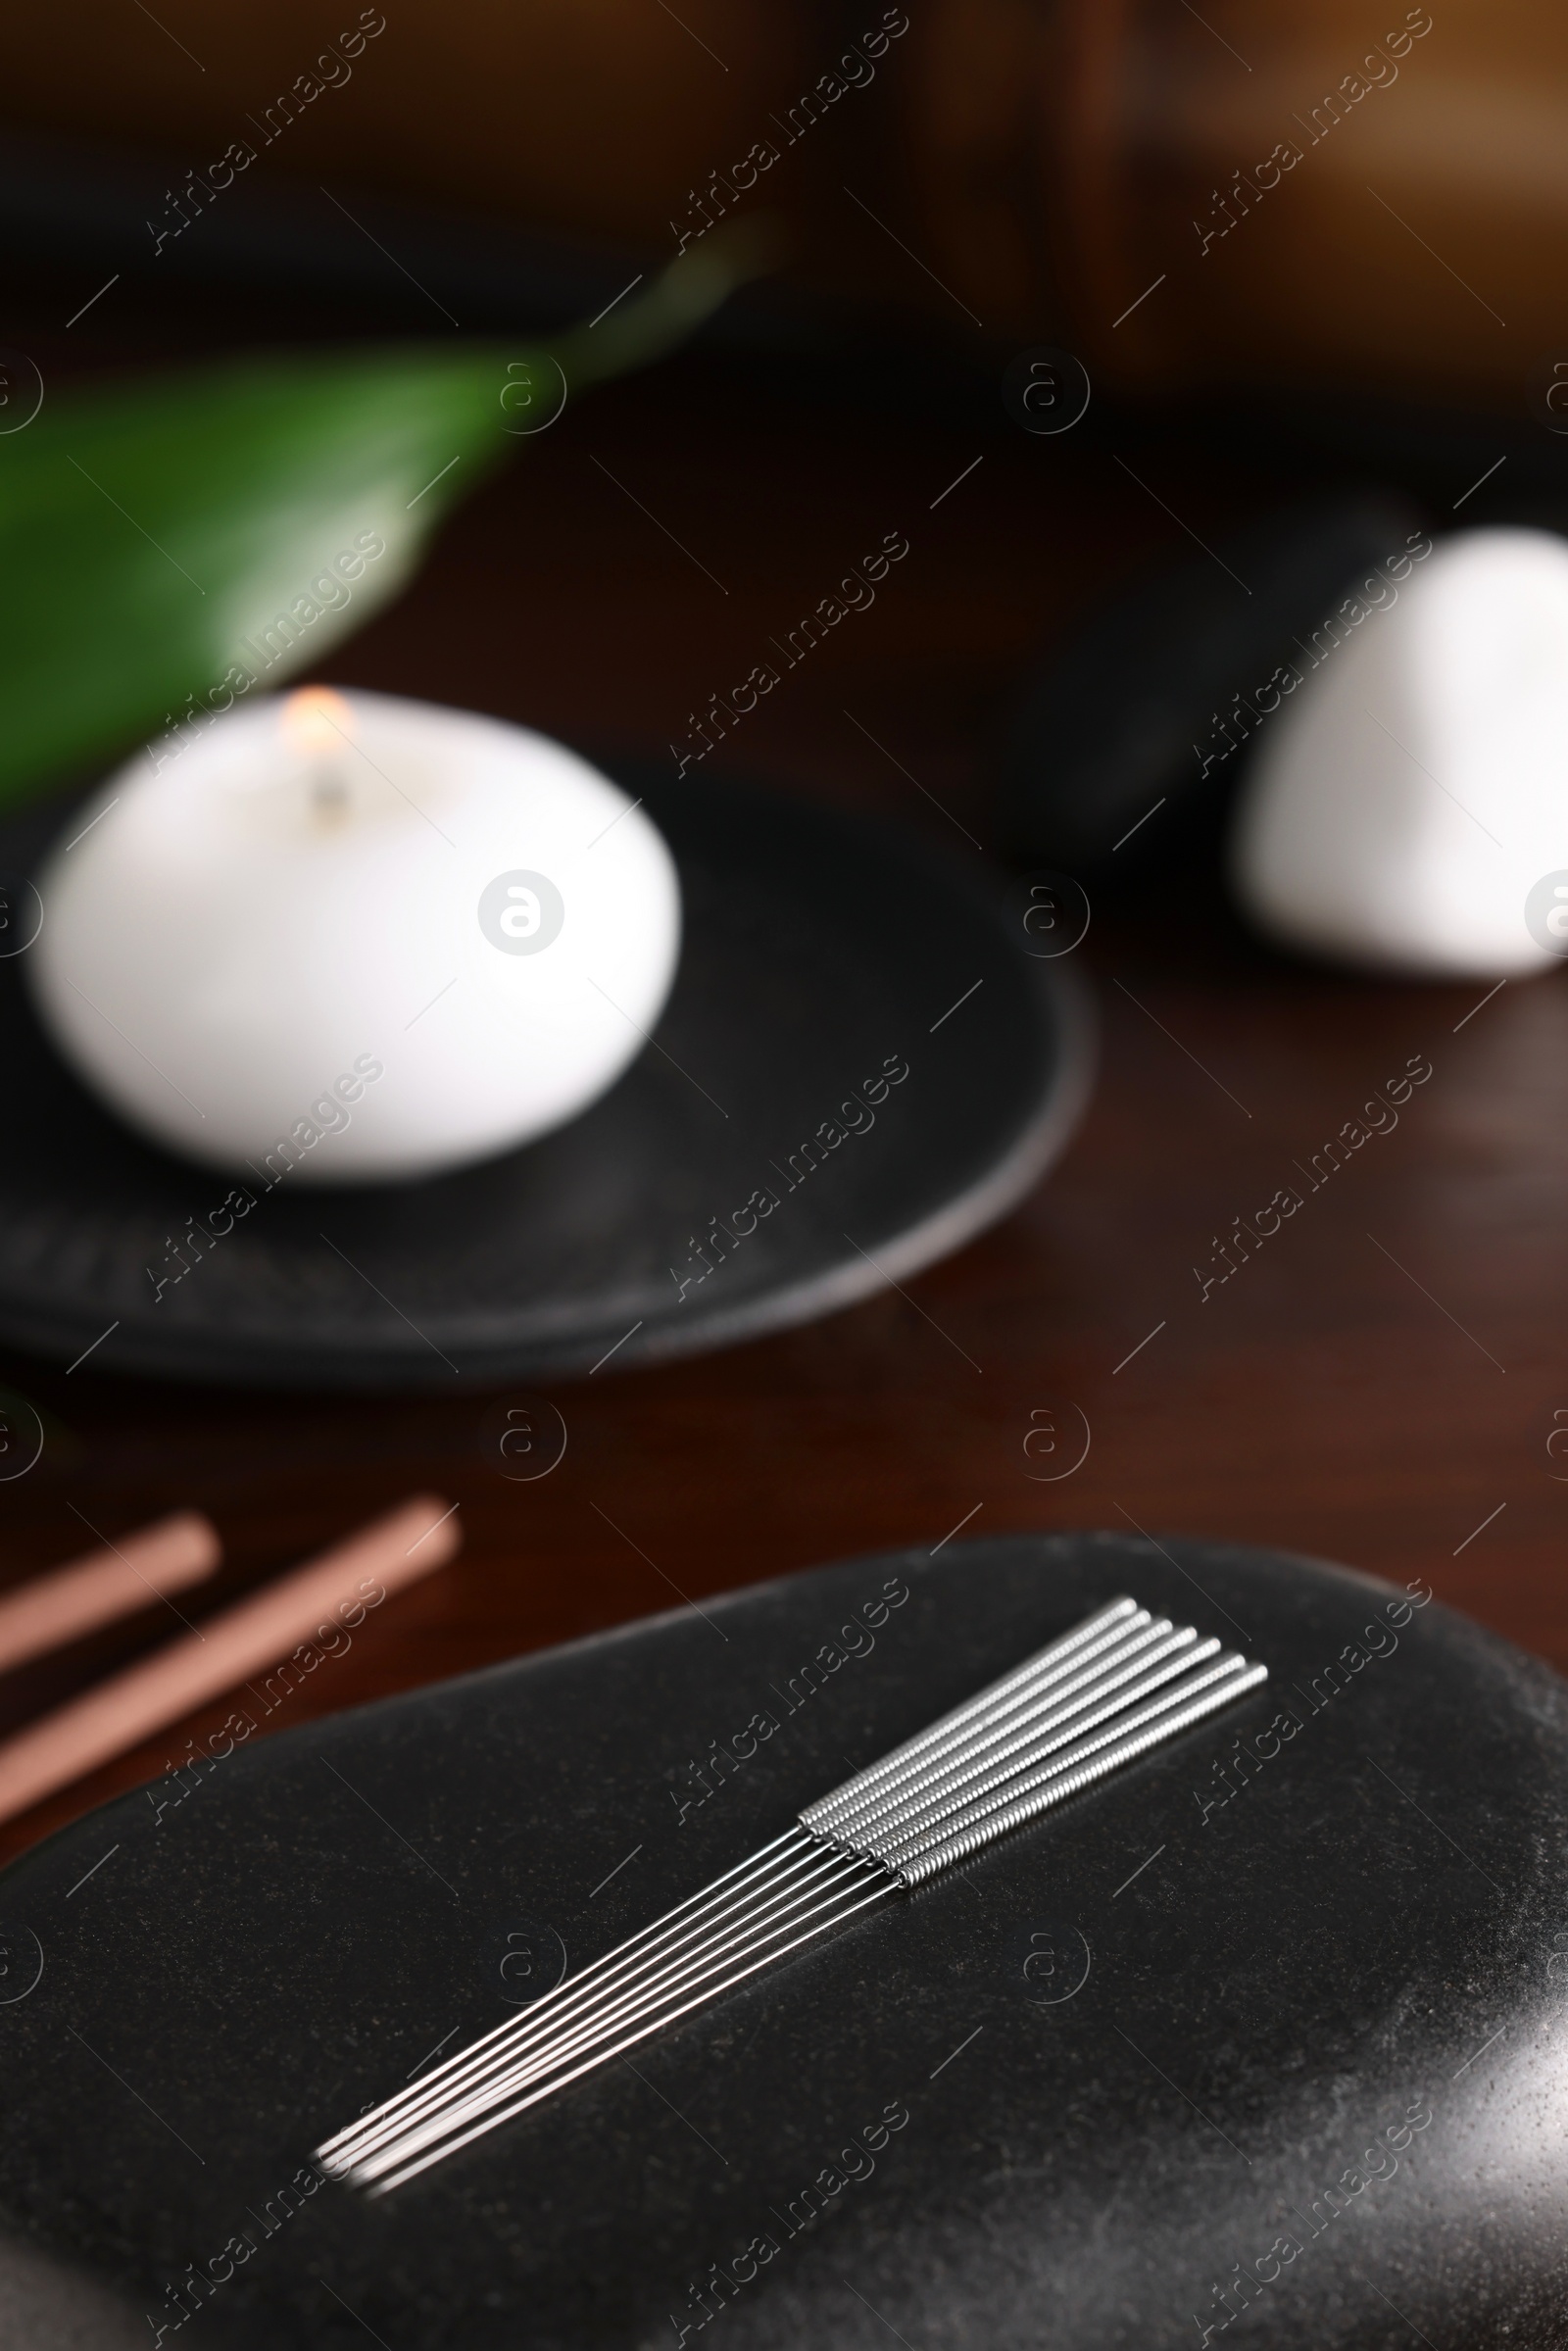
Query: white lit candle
{"x": 355, "y": 939}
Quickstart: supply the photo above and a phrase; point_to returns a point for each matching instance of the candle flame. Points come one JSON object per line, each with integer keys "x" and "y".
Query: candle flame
{"x": 316, "y": 722}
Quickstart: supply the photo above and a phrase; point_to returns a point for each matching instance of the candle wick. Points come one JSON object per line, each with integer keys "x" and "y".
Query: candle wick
{"x": 329, "y": 795}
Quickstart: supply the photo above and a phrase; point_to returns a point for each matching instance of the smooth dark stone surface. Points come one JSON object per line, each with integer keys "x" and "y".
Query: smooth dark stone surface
{"x": 1136, "y": 2044}
{"x": 1125, "y": 708}
{"x": 817, "y": 946}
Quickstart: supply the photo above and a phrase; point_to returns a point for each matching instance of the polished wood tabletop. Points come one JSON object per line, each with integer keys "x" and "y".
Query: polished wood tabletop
{"x": 1376, "y": 1381}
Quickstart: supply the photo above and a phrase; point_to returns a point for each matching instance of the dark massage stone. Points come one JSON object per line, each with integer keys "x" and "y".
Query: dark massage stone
{"x": 1163, "y": 677}
{"x": 821, "y": 951}
{"x": 1267, "y": 2033}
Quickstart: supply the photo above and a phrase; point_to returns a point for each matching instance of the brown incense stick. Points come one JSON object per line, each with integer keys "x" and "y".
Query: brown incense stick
{"x": 393, "y": 1552}
{"x": 105, "y": 1585}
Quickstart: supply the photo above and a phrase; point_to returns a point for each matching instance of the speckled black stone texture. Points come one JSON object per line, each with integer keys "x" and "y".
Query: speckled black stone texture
{"x": 1262, "y": 2041}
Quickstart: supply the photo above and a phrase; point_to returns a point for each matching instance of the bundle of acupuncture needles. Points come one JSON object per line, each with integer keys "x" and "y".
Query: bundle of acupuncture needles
{"x": 1117, "y": 1685}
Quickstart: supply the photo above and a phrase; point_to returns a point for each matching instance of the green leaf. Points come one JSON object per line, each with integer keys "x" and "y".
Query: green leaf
{"x": 161, "y": 538}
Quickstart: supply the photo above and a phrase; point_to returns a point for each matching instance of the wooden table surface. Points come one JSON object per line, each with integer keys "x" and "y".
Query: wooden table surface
{"x": 1376, "y": 1383}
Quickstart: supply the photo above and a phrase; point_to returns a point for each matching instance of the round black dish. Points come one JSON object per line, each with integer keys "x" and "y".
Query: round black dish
{"x": 1267, "y": 2032}
{"x": 821, "y": 953}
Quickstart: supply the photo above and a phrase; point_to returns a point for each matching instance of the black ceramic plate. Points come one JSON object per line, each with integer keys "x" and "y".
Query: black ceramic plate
{"x": 1266, "y": 2031}
{"x": 820, "y": 951}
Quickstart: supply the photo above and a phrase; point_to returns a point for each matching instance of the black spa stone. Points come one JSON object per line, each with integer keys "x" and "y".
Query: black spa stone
{"x": 1155, "y": 696}
{"x": 1264, "y": 2040}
